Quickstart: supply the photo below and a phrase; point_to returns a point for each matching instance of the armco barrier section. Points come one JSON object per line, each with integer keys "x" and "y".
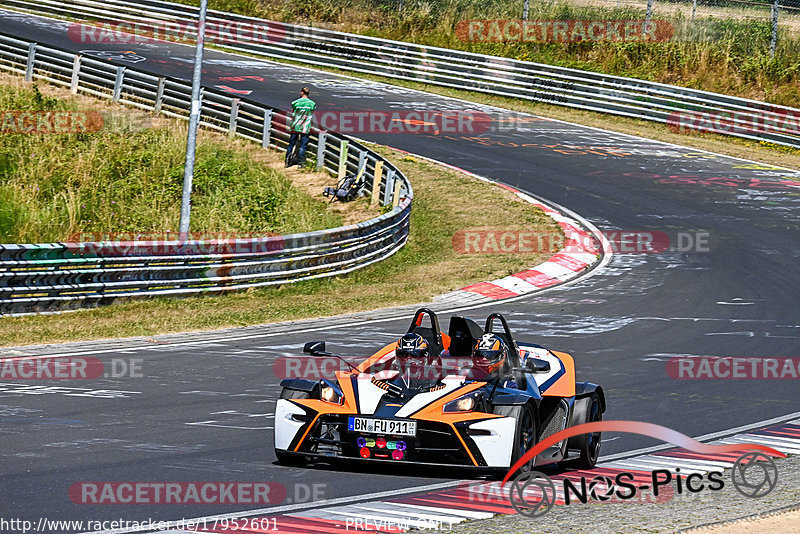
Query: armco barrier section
{"x": 49, "y": 277}
{"x": 628, "y": 97}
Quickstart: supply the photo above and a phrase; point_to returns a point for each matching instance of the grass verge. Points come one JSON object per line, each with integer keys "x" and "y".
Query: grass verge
{"x": 127, "y": 177}
{"x": 445, "y": 202}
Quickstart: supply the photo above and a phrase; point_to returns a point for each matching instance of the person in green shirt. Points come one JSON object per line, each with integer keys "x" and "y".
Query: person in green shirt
{"x": 300, "y": 127}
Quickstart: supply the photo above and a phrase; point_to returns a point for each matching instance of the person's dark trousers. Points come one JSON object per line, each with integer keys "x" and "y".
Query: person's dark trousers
{"x": 301, "y": 153}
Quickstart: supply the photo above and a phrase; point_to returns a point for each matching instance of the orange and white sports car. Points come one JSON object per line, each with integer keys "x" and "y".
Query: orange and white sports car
{"x": 451, "y": 407}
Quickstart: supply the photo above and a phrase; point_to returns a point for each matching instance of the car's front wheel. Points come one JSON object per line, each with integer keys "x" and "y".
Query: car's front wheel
{"x": 524, "y": 434}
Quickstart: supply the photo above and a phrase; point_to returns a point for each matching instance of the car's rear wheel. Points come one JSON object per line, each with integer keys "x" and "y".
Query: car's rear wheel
{"x": 588, "y": 410}
{"x": 524, "y": 434}
{"x": 283, "y": 457}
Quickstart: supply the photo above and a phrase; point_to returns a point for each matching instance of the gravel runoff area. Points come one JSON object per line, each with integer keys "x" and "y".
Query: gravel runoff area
{"x": 725, "y": 511}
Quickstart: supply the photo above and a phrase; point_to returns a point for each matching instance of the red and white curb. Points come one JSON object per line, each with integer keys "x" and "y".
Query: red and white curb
{"x": 582, "y": 250}
{"x": 470, "y": 500}
{"x": 482, "y": 500}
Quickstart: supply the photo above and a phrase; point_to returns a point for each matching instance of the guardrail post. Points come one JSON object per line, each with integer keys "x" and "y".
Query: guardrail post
{"x": 234, "y": 117}
{"x": 343, "y": 159}
{"x": 266, "y": 128}
{"x": 398, "y": 185}
{"x": 76, "y": 68}
{"x": 322, "y": 140}
{"x": 376, "y": 181}
{"x": 387, "y": 193}
{"x": 362, "y": 160}
{"x": 118, "y": 84}
{"x": 159, "y": 95}
{"x": 29, "y": 65}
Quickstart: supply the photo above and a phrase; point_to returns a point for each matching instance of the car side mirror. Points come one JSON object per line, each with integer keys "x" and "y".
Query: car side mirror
{"x": 315, "y": 348}
{"x": 536, "y": 365}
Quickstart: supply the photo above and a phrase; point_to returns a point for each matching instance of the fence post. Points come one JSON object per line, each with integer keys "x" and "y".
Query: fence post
{"x": 362, "y": 160}
{"x": 774, "y": 42}
{"x": 234, "y": 117}
{"x": 266, "y": 128}
{"x": 387, "y": 193}
{"x": 525, "y": 7}
{"x": 159, "y": 95}
{"x": 76, "y": 67}
{"x": 649, "y": 15}
{"x": 343, "y": 159}
{"x": 29, "y": 65}
{"x": 118, "y": 84}
{"x": 398, "y": 185}
{"x": 322, "y": 140}
{"x": 376, "y": 181}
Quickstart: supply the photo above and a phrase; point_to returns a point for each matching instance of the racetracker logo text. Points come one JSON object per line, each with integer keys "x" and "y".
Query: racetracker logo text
{"x": 564, "y": 31}
{"x": 781, "y": 122}
{"x": 148, "y": 31}
{"x": 600, "y": 489}
{"x": 505, "y": 241}
{"x": 69, "y": 368}
{"x": 179, "y": 493}
{"x": 722, "y": 368}
{"x": 167, "y": 243}
{"x": 50, "y": 122}
{"x": 316, "y": 368}
{"x": 404, "y": 122}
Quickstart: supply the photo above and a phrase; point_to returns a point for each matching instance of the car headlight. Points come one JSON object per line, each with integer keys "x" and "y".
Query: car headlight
{"x": 329, "y": 394}
{"x": 467, "y": 403}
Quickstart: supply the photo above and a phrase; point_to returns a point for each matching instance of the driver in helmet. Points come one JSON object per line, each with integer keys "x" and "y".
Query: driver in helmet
{"x": 413, "y": 358}
{"x": 491, "y": 361}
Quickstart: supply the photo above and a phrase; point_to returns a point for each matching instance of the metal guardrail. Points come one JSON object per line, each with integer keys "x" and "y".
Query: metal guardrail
{"x": 48, "y": 277}
{"x": 573, "y": 88}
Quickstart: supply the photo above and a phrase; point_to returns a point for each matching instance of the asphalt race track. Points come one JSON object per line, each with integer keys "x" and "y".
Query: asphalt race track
{"x": 203, "y": 412}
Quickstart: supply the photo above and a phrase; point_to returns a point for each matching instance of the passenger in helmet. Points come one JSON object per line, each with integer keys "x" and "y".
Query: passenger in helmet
{"x": 414, "y": 360}
{"x": 491, "y": 361}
